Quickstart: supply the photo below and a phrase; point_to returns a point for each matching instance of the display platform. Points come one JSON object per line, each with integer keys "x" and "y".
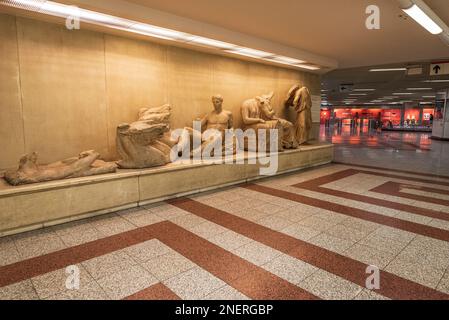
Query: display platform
{"x": 39, "y": 205}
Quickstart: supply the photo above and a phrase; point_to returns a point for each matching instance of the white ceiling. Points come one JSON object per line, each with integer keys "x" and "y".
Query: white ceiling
{"x": 332, "y": 28}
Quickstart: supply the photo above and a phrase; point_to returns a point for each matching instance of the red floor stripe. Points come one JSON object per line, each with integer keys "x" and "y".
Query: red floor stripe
{"x": 37, "y": 266}
{"x": 244, "y": 276}
{"x": 396, "y": 176}
{"x": 427, "y": 189}
{"x": 392, "y": 286}
{"x": 316, "y": 185}
{"x": 155, "y": 292}
{"x": 394, "y": 189}
{"x": 394, "y": 170}
{"x": 357, "y": 213}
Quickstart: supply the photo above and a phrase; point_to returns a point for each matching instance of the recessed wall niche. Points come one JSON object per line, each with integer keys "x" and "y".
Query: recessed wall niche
{"x": 65, "y": 91}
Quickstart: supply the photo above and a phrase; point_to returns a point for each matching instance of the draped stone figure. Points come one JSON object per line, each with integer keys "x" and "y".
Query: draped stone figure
{"x": 299, "y": 98}
{"x": 86, "y": 164}
{"x": 147, "y": 142}
{"x": 258, "y": 114}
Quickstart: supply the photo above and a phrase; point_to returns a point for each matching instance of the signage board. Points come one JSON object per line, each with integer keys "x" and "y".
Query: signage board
{"x": 438, "y": 69}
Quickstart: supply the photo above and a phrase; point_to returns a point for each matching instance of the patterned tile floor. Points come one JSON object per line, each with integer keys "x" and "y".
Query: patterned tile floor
{"x": 307, "y": 235}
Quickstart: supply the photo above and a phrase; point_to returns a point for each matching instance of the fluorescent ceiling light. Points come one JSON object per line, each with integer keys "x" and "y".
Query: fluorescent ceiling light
{"x": 92, "y": 17}
{"x": 362, "y": 90}
{"x": 402, "y": 93}
{"x": 61, "y": 10}
{"x": 437, "y": 81}
{"x": 26, "y": 4}
{"x": 388, "y": 69}
{"x": 419, "y": 89}
{"x": 423, "y": 19}
{"x": 307, "y": 67}
{"x": 357, "y": 94}
{"x": 158, "y": 32}
{"x": 429, "y": 97}
{"x": 253, "y": 53}
{"x": 286, "y": 60}
{"x": 212, "y": 43}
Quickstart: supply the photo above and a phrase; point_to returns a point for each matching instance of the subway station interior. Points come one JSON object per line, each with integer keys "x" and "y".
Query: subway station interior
{"x": 211, "y": 151}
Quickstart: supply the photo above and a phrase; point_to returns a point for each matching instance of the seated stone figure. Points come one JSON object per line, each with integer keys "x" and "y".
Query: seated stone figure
{"x": 257, "y": 114}
{"x": 218, "y": 120}
{"x": 147, "y": 142}
{"x": 86, "y": 164}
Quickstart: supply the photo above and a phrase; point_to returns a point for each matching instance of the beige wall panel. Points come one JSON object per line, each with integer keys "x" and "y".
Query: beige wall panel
{"x": 262, "y": 79}
{"x": 230, "y": 79}
{"x": 189, "y": 85}
{"x": 11, "y": 123}
{"x": 63, "y": 90}
{"x": 136, "y": 77}
{"x": 286, "y": 79}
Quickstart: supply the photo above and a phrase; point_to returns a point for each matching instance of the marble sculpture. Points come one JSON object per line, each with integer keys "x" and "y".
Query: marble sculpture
{"x": 86, "y": 164}
{"x": 258, "y": 114}
{"x": 219, "y": 120}
{"x": 147, "y": 142}
{"x": 299, "y": 98}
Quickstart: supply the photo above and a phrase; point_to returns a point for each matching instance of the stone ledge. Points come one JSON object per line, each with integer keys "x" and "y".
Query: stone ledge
{"x": 39, "y": 205}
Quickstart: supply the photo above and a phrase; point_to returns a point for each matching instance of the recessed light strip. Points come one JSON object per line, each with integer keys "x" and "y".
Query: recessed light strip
{"x": 423, "y": 19}
{"x": 388, "y": 69}
{"x": 437, "y": 81}
{"x": 92, "y": 17}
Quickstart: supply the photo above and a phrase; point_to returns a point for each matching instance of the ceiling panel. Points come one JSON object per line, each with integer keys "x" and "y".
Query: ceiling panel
{"x": 331, "y": 28}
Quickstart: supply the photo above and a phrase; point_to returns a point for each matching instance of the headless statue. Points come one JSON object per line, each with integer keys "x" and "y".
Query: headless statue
{"x": 300, "y": 99}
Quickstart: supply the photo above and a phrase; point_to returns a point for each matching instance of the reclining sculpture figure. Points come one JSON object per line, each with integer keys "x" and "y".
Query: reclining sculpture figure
{"x": 147, "y": 142}
{"x": 86, "y": 164}
{"x": 257, "y": 114}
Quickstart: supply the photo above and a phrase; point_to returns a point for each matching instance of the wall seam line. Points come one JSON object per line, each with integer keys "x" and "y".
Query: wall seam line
{"x": 20, "y": 85}
{"x": 106, "y": 97}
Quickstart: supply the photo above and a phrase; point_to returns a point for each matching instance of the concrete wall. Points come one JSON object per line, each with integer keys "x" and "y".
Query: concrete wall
{"x": 62, "y": 92}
